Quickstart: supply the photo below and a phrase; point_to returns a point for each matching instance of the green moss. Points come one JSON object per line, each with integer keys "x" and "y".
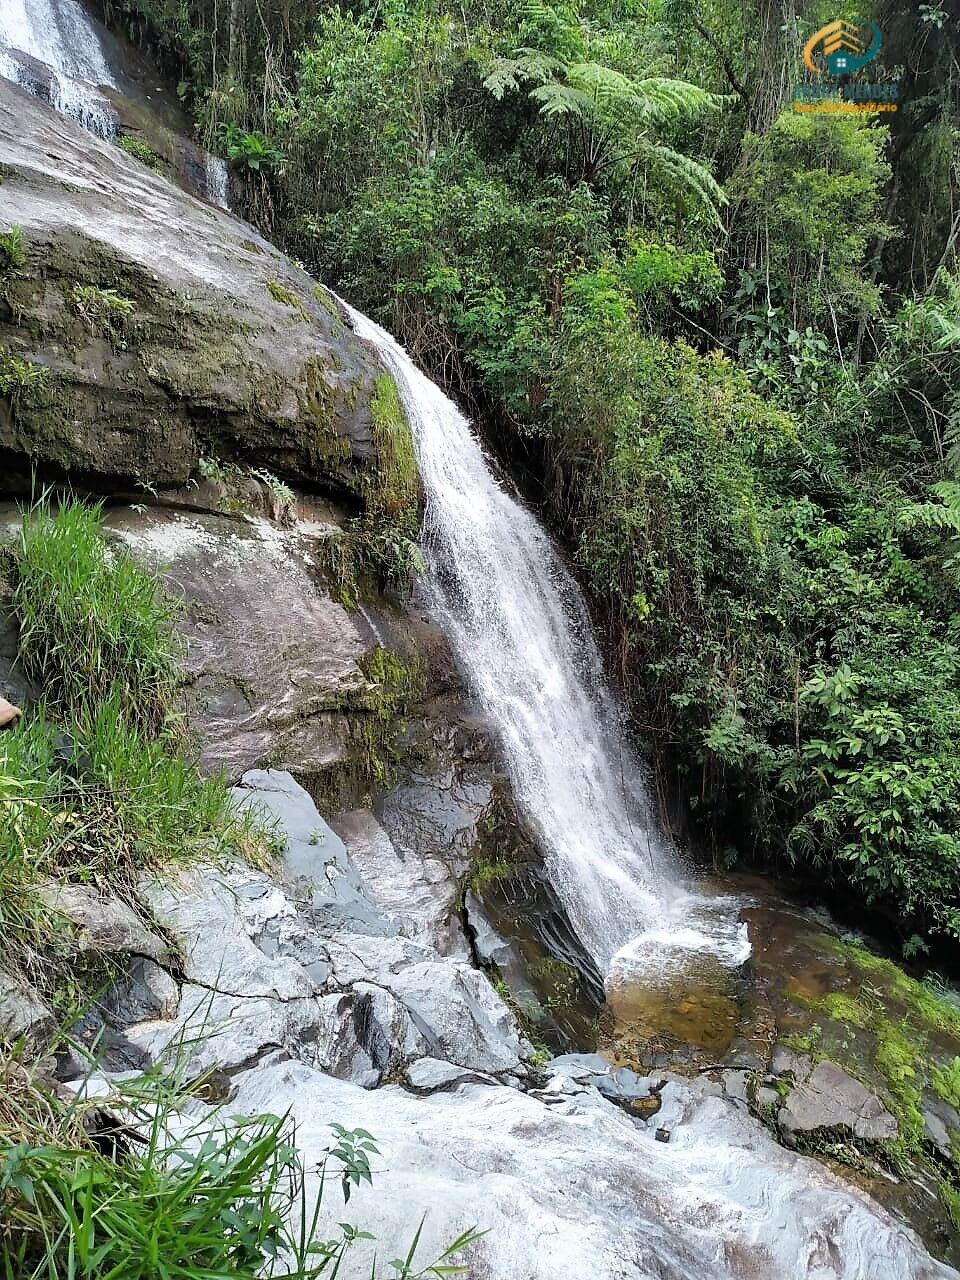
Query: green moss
{"x": 392, "y": 488}
{"x": 923, "y": 1002}
{"x": 141, "y": 151}
{"x": 898, "y": 1058}
{"x": 559, "y": 981}
{"x": 844, "y": 1007}
{"x": 484, "y": 872}
{"x": 282, "y": 294}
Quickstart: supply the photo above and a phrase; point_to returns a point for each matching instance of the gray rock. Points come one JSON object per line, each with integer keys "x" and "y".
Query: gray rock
{"x": 940, "y": 1122}
{"x": 146, "y": 991}
{"x": 830, "y": 1099}
{"x": 736, "y": 1085}
{"x": 430, "y": 1074}
{"x": 275, "y": 663}
{"x": 235, "y": 353}
{"x": 619, "y": 1084}
{"x": 784, "y": 1061}
{"x": 418, "y": 891}
{"x": 202, "y": 910}
{"x": 106, "y": 922}
{"x": 767, "y": 1099}
{"x": 23, "y": 1015}
{"x": 315, "y": 859}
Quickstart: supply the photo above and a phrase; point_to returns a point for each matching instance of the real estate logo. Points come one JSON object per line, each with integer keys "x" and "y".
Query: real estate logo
{"x": 838, "y": 51}
{"x": 842, "y": 46}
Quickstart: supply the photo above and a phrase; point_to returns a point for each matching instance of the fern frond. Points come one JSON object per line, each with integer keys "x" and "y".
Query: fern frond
{"x": 557, "y": 99}
{"x": 687, "y": 174}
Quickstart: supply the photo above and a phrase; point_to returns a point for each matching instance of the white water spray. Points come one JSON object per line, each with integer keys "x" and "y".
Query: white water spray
{"x": 51, "y": 48}
{"x": 518, "y": 624}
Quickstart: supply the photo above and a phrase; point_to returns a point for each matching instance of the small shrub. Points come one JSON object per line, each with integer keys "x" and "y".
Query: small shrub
{"x": 100, "y": 306}
{"x": 12, "y": 252}
{"x": 249, "y": 149}
{"x": 20, "y": 377}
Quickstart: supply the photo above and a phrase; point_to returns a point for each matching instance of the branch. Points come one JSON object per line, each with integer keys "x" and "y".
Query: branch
{"x": 724, "y": 59}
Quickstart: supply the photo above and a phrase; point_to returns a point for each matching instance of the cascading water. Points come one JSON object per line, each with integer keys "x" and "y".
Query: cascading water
{"x": 52, "y": 49}
{"x": 217, "y": 181}
{"x": 519, "y": 625}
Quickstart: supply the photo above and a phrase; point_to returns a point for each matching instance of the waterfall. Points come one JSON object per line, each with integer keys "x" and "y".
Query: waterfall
{"x": 520, "y": 628}
{"x": 217, "y": 181}
{"x": 51, "y": 48}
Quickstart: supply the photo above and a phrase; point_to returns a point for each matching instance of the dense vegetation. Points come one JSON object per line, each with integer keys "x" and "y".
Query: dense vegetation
{"x": 721, "y": 338}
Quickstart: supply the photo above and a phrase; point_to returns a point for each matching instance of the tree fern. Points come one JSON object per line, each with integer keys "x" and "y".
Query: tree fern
{"x": 613, "y": 119}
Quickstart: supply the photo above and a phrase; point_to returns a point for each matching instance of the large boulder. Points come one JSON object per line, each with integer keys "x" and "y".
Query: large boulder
{"x": 827, "y": 1098}
{"x": 274, "y": 661}
{"x": 168, "y": 329}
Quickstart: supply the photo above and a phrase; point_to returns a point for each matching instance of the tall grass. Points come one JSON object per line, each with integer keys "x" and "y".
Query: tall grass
{"x": 139, "y": 1186}
{"x": 97, "y": 783}
{"x": 93, "y": 622}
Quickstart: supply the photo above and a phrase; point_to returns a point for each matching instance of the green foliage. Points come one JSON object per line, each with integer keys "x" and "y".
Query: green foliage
{"x": 141, "y": 151}
{"x": 93, "y": 622}
{"x": 95, "y": 304}
{"x": 20, "y": 378}
{"x": 12, "y": 251}
{"x": 249, "y": 149}
{"x": 809, "y": 194}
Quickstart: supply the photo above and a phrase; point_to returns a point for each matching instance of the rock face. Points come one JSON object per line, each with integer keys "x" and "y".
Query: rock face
{"x": 826, "y": 1098}
{"x": 167, "y": 328}
{"x": 316, "y": 970}
{"x": 275, "y": 661}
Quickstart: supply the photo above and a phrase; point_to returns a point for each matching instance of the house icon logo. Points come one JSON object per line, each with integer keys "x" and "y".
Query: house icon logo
{"x": 842, "y": 46}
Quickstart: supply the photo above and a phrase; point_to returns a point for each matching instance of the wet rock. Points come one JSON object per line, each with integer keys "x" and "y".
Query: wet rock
{"x": 427, "y": 1075}
{"x": 227, "y": 342}
{"x": 827, "y": 1099}
{"x": 784, "y": 1061}
{"x": 105, "y": 922}
{"x": 940, "y": 1121}
{"x": 736, "y": 1085}
{"x": 146, "y": 991}
{"x": 23, "y": 1015}
{"x": 315, "y": 859}
{"x": 575, "y": 1186}
{"x": 619, "y": 1084}
{"x": 417, "y": 890}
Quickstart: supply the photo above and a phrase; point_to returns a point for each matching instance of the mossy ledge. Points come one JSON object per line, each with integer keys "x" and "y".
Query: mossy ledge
{"x": 209, "y": 356}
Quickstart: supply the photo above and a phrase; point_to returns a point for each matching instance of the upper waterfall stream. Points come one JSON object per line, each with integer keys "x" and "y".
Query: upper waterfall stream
{"x": 519, "y": 625}
{"x": 54, "y": 50}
